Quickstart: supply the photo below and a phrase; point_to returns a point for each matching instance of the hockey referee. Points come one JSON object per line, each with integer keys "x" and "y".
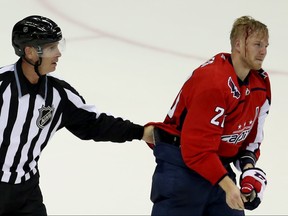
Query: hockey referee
{"x": 33, "y": 106}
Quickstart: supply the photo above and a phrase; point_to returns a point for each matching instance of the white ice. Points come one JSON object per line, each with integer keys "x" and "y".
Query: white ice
{"x": 130, "y": 58}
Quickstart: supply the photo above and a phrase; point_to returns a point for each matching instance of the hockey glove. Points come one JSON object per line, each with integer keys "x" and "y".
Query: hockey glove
{"x": 252, "y": 185}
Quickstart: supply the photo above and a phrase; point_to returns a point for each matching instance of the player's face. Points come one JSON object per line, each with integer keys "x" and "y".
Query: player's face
{"x": 255, "y": 51}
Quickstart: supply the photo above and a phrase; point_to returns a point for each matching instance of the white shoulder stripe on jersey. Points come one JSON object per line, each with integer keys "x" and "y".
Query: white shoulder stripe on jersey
{"x": 7, "y": 68}
{"x": 77, "y": 101}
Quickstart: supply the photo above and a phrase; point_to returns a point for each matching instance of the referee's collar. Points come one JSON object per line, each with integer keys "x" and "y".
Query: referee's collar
{"x": 21, "y": 83}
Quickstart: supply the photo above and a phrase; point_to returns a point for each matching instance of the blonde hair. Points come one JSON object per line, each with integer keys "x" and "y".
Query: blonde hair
{"x": 245, "y": 26}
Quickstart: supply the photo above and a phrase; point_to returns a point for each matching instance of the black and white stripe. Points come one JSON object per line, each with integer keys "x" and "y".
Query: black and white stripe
{"x": 21, "y": 137}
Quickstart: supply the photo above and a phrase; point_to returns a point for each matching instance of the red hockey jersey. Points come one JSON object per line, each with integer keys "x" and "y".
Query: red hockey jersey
{"x": 217, "y": 115}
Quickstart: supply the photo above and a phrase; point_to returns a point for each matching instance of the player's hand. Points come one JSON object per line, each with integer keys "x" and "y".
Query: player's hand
{"x": 233, "y": 199}
{"x": 252, "y": 182}
{"x": 233, "y": 194}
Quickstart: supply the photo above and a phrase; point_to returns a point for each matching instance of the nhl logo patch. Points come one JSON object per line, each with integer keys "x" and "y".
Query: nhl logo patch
{"x": 45, "y": 116}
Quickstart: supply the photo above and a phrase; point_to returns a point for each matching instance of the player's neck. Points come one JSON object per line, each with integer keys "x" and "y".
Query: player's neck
{"x": 241, "y": 69}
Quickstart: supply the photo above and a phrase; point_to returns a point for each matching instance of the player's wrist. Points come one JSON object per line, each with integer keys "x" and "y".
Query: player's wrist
{"x": 245, "y": 158}
{"x": 248, "y": 166}
{"x": 226, "y": 183}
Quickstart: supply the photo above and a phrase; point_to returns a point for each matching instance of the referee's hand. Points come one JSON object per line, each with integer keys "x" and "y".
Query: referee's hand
{"x": 148, "y": 134}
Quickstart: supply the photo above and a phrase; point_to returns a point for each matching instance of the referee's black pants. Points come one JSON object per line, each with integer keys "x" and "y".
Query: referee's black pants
{"x": 22, "y": 199}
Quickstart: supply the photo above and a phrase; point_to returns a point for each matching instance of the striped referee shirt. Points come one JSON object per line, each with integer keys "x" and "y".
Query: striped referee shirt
{"x": 31, "y": 114}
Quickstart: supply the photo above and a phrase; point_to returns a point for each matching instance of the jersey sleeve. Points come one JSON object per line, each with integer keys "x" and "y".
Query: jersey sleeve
{"x": 202, "y": 127}
{"x": 87, "y": 123}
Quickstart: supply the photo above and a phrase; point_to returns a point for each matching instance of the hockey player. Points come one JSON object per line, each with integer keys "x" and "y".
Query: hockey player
{"x": 216, "y": 119}
{"x": 33, "y": 106}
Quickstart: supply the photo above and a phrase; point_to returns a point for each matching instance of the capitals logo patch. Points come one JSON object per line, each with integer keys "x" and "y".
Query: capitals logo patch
{"x": 45, "y": 116}
{"x": 234, "y": 90}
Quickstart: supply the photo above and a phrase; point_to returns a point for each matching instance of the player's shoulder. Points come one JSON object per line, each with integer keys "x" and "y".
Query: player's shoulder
{"x": 214, "y": 71}
{"x": 260, "y": 76}
{"x": 260, "y": 80}
{"x": 217, "y": 64}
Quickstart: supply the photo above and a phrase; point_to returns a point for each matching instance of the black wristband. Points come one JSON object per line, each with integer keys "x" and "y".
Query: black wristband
{"x": 247, "y": 157}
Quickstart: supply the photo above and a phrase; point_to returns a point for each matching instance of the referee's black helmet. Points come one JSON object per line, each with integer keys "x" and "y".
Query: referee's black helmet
{"x": 34, "y": 31}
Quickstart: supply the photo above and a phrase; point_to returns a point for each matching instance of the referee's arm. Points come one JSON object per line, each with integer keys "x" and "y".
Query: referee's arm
{"x": 88, "y": 124}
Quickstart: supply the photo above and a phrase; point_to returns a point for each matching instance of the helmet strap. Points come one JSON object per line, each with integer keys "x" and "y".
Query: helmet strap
{"x": 36, "y": 65}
